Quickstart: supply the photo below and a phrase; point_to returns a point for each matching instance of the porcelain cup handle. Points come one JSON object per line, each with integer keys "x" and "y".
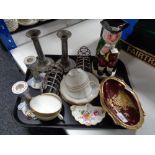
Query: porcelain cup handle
{"x": 93, "y": 83}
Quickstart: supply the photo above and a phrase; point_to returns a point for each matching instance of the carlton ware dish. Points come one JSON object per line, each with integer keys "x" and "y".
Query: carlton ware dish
{"x": 79, "y": 87}
{"x": 87, "y": 114}
{"x": 121, "y": 103}
{"x": 46, "y": 107}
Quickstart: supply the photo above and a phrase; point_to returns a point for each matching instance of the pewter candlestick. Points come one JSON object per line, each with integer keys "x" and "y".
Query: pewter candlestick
{"x": 32, "y": 64}
{"x": 67, "y": 62}
{"x": 44, "y": 62}
{"x": 21, "y": 88}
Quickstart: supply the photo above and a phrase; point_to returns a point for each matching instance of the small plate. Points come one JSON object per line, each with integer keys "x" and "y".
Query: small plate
{"x": 66, "y": 94}
{"x": 88, "y": 115}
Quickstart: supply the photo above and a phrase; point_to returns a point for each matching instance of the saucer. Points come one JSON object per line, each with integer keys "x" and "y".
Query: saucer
{"x": 65, "y": 93}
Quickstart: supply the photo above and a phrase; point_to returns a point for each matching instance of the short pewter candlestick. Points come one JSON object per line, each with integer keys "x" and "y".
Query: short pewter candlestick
{"x": 32, "y": 64}
{"x": 67, "y": 62}
{"x": 43, "y": 62}
{"x": 21, "y": 88}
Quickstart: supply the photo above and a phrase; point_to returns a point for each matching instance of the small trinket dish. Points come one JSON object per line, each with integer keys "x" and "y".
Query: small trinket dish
{"x": 87, "y": 114}
{"x": 121, "y": 103}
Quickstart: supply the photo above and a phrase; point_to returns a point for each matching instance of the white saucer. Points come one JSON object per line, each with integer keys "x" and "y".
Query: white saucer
{"x": 66, "y": 93}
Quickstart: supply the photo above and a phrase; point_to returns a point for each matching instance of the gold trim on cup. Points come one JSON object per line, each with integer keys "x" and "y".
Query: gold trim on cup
{"x": 47, "y": 114}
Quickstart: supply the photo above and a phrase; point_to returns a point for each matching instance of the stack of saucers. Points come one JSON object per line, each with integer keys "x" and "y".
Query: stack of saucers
{"x": 12, "y": 24}
{"x": 28, "y": 22}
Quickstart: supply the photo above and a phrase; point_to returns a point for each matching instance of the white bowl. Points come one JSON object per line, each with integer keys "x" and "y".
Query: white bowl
{"x": 46, "y": 106}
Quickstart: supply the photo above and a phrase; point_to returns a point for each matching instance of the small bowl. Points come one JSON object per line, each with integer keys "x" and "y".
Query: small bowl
{"x": 46, "y": 107}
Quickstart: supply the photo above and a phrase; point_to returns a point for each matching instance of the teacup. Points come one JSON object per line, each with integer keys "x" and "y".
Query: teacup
{"x": 78, "y": 83}
{"x": 46, "y": 106}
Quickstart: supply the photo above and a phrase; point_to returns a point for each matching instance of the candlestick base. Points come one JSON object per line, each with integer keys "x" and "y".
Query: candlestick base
{"x": 34, "y": 83}
{"x": 71, "y": 65}
{"x": 43, "y": 67}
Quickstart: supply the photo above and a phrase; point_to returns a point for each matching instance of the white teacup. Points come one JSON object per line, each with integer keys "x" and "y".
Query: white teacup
{"x": 78, "y": 83}
{"x": 46, "y": 106}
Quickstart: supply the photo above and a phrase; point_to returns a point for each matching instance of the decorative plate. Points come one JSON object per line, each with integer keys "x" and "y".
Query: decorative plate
{"x": 121, "y": 103}
{"x": 87, "y": 114}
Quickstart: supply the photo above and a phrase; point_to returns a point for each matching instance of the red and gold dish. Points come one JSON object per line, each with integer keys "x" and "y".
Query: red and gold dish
{"x": 121, "y": 103}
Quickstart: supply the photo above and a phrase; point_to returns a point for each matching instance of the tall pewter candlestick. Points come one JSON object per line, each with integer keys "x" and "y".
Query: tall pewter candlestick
{"x": 43, "y": 62}
{"x": 67, "y": 62}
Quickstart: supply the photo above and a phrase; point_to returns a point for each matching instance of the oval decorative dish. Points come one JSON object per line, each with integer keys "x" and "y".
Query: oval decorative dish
{"x": 121, "y": 103}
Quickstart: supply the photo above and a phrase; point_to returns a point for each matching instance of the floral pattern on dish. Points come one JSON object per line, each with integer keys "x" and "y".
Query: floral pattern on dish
{"x": 87, "y": 114}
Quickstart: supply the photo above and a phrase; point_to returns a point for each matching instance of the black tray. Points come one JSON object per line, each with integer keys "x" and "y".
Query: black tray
{"x": 69, "y": 121}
